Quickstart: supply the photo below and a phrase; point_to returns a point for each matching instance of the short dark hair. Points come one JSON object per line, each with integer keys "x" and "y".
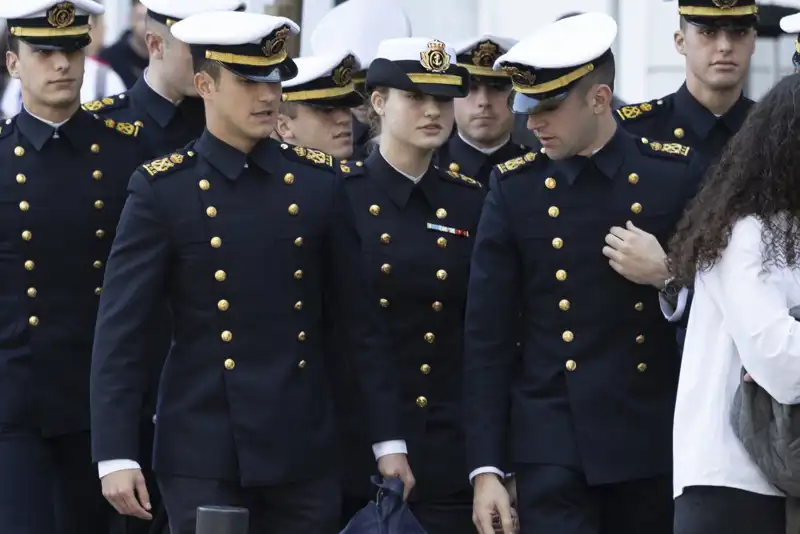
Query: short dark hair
{"x": 12, "y": 43}
{"x": 289, "y": 109}
{"x": 683, "y": 23}
{"x": 603, "y": 74}
{"x": 209, "y": 66}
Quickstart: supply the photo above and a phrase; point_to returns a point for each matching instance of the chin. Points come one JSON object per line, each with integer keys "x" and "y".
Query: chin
{"x": 430, "y": 143}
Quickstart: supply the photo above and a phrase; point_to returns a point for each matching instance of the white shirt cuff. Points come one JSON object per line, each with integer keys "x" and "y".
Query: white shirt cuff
{"x": 482, "y": 470}
{"x": 674, "y": 315}
{"x": 107, "y": 467}
{"x": 385, "y": 448}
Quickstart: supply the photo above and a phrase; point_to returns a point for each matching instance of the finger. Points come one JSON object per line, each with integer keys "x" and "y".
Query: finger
{"x": 748, "y": 378}
{"x": 485, "y": 521}
{"x": 621, "y": 233}
{"x": 133, "y": 508}
{"x": 142, "y": 493}
{"x": 408, "y": 484}
{"x": 616, "y": 266}
{"x": 612, "y": 254}
{"x": 118, "y": 504}
{"x": 632, "y": 227}
{"x": 614, "y": 241}
{"x": 505, "y": 517}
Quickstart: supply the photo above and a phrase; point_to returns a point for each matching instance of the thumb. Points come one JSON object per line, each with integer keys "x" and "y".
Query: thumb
{"x": 632, "y": 227}
{"x": 141, "y": 491}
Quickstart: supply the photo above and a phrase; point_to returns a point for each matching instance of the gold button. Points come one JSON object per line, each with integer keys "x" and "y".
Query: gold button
{"x": 216, "y": 242}
{"x": 301, "y": 336}
{"x": 298, "y": 242}
{"x": 639, "y": 306}
{"x": 24, "y": 206}
{"x": 97, "y": 175}
{"x": 32, "y": 292}
{"x": 633, "y": 178}
{"x": 99, "y": 204}
{"x": 640, "y": 339}
{"x": 33, "y": 320}
{"x": 568, "y": 336}
{"x": 138, "y": 123}
{"x": 636, "y": 208}
{"x": 288, "y": 178}
{"x": 226, "y": 336}
{"x": 550, "y": 183}
{"x": 375, "y": 210}
{"x": 430, "y": 338}
{"x": 298, "y": 274}
{"x": 679, "y": 133}
{"x": 558, "y": 243}
{"x": 211, "y": 211}
{"x": 642, "y": 367}
{"x": 98, "y": 291}
{"x": 27, "y": 235}
{"x": 359, "y": 163}
{"x": 454, "y": 167}
{"x": 386, "y": 268}
{"x": 19, "y": 151}
{"x": 422, "y": 402}
{"x": 571, "y": 365}
{"x": 441, "y": 213}
{"x": 384, "y": 303}
{"x": 100, "y": 233}
{"x": 553, "y": 211}
{"x": 205, "y": 185}
{"x": 29, "y": 265}
{"x": 294, "y": 209}
{"x": 230, "y": 364}
{"x": 298, "y": 305}
{"x": 223, "y": 305}
{"x": 97, "y": 264}
{"x": 21, "y": 179}
{"x": 645, "y": 140}
{"x": 563, "y": 305}
{"x": 561, "y": 275}
{"x": 437, "y": 306}
{"x": 441, "y": 242}
{"x": 220, "y": 276}
{"x": 301, "y": 364}
{"x": 425, "y": 369}
{"x": 386, "y": 239}
{"x": 441, "y": 275}
{"x": 95, "y": 148}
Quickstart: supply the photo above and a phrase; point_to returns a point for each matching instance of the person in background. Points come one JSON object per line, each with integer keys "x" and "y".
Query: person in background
{"x": 63, "y": 178}
{"x": 791, "y": 24}
{"x": 739, "y": 246}
{"x": 417, "y": 224}
{"x": 484, "y": 122}
{"x": 253, "y": 244}
{"x": 315, "y": 111}
{"x": 129, "y": 56}
{"x": 585, "y": 406}
{"x": 359, "y": 26}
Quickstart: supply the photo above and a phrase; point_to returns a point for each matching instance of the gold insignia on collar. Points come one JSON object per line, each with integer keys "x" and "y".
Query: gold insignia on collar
{"x": 276, "y": 45}
{"x": 315, "y": 156}
{"x": 126, "y": 128}
{"x": 725, "y": 4}
{"x": 485, "y": 54}
{"x": 61, "y": 15}
{"x": 511, "y": 165}
{"x": 176, "y": 159}
{"x": 671, "y": 148}
{"x": 158, "y": 166}
{"x": 522, "y": 78}
{"x": 435, "y": 58}
{"x": 343, "y": 74}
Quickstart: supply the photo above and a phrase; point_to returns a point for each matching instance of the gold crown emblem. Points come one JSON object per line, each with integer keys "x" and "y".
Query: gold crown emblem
{"x": 725, "y": 4}
{"x": 519, "y": 77}
{"x": 61, "y": 15}
{"x": 435, "y": 58}
{"x": 343, "y": 74}
{"x": 485, "y": 54}
{"x": 277, "y": 44}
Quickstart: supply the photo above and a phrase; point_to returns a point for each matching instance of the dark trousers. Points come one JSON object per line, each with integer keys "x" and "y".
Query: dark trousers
{"x": 49, "y": 485}
{"x": 298, "y": 508}
{"x": 558, "y": 499}
{"x": 718, "y": 510}
{"x": 444, "y": 515}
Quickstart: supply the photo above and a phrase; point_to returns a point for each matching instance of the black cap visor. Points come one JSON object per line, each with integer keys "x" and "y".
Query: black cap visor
{"x": 522, "y": 104}
{"x": 58, "y": 44}
{"x": 281, "y": 72}
{"x": 409, "y": 76}
{"x": 349, "y": 101}
{"x": 729, "y": 24}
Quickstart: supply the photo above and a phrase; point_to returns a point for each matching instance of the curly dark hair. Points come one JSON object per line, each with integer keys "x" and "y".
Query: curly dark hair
{"x": 758, "y": 174}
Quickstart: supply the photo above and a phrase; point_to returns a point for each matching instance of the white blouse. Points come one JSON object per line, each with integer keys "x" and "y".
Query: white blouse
{"x": 739, "y": 318}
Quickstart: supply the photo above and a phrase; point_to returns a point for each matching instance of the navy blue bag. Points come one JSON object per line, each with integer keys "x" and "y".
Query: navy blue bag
{"x": 387, "y": 514}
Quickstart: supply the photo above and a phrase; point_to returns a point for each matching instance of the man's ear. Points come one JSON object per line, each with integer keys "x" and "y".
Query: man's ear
{"x": 205, "y": 85}
{"x": 155, "y": 44}
{"x": 12, "y": 64}
{"x": 601, "y": 100}
{"x": 680, "y": 42}
{"x": 284, "y": 129}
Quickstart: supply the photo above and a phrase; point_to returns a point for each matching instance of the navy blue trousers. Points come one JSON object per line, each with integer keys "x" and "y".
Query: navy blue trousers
{"x": 49, "y": 485}
{"x": 719, "y": 510}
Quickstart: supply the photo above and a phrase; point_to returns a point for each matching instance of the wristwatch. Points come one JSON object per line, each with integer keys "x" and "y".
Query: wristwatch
{"x": 670, "y": 289}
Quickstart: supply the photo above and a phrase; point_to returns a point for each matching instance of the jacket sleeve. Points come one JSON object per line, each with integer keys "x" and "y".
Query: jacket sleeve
{"x": 133, "y": 285}
{"x": 491, "y": 333}
{"x": 350, "y": 302}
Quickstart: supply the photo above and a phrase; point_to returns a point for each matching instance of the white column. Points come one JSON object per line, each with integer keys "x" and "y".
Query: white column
{"x": 313, "y": 11}
{"x": 117, "y": 19}
{"x": 447, "y": 20}
{"x": 633, "y": 42}
{"x": 518, "y": 18}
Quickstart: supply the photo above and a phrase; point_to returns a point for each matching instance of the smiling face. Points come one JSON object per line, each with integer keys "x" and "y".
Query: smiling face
{"x": 719, "y": 58}
{"x": 49, "y": 78}
{"x": 422, "y": 121}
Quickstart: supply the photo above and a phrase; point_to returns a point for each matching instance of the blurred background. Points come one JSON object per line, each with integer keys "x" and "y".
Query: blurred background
{"x": 648, "y": 66}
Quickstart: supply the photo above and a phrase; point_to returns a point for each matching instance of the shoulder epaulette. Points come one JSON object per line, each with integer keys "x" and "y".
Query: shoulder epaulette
{"x": 309, "y": 156}
{"x": 634, "y": 112}
{"x": 517, "y": 163}
{"x": 351, "y": 169}
{"x": 665, "y": 150}
{"x": 168, "y": 164}
{"x": 125, "y": 128}
{"x": 106, "y": 104}
{"x": 453, "y": 176}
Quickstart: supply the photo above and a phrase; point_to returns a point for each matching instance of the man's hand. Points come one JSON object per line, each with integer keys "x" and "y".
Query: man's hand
{"x": 510, "y": 484}
{"x": 127, "y": 492}
{"x": 491, "y": 500}
{"x": 396, "y": 466}
{"x": 636, "y": 255}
